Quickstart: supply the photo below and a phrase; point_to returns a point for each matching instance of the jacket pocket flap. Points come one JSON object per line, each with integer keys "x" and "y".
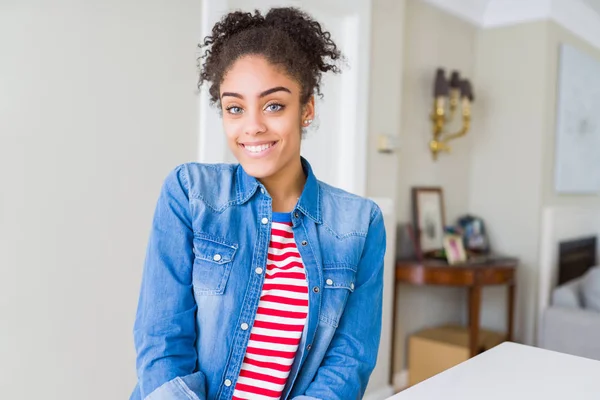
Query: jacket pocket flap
{"x": 339, "y": 278}
{"x": 213, "y": 250}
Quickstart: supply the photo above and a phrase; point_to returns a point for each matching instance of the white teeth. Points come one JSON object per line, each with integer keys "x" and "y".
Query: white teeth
{"x": 258, "y": 149}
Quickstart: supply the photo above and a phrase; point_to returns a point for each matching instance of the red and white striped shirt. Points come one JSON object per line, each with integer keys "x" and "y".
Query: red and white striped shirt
{"x": 280, "y": 319}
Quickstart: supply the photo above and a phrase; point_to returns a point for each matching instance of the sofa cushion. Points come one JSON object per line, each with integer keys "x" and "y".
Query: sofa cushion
{"x": 568, "y": 295}
{"x": 590, "y": 289}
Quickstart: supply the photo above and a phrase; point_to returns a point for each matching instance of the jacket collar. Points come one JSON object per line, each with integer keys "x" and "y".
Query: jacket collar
{"x": 310, "y": 199}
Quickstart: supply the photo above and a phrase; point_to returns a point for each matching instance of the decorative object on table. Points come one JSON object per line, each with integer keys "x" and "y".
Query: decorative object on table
{"x": 454, "y": 249}
{"x": 474, "y": 234}
{"x": 453, "y": 230}
{"x": 407, "y": 247}
{"x": 451, "y": 92}
{"x": 428, "y": 218}
{"x": 577, "y": 165}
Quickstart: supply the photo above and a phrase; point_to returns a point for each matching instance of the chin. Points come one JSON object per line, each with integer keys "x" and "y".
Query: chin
{"x": 258, "y": 170}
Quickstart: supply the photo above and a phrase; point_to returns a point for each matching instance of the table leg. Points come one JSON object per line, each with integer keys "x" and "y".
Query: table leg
{"x": 474, "y": 306}
{"x": 510, "y": 311}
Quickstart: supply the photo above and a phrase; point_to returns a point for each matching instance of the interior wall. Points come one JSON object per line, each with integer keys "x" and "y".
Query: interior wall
{"x": 97, "y": 105}
{"x": 506, "y": 160}
{"x": 432, "y": 39}
{"x": 388, "y": 18}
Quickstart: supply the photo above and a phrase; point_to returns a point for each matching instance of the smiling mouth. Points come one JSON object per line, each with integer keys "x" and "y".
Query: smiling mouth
{"x": 258, "y": 149}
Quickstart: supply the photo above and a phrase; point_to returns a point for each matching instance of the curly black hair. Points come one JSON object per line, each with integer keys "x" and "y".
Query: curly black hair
{"x": 286, "y": 37}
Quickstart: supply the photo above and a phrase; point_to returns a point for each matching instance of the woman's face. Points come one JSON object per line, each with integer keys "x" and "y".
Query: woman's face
{"x": 262, "y": 116}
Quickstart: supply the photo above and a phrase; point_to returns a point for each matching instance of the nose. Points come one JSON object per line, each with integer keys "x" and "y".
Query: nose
{"x": 254, "y": 123}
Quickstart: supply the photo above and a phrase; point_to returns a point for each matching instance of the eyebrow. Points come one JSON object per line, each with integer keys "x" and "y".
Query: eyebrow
{"x": 263, "y": 94}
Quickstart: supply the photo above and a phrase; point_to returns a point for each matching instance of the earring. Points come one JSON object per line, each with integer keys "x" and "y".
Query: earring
{"x": 307, "y": 121}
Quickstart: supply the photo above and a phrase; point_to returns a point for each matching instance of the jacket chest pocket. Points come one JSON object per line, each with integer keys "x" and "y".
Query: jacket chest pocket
{"x": 212, "y": 264}
{"x": 338, "y": 284}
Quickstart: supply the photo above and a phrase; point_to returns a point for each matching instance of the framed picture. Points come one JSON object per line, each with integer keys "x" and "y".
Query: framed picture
{"x": 454, "y": 248}
{"x": 428, "y": 218}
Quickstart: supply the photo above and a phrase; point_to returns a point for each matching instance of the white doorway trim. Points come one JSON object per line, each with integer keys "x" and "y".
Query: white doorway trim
{"x": 212, "y": 146}
{"x": 353, "y": 133}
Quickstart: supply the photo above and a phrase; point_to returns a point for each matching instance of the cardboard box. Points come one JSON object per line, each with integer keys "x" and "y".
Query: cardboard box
{"x": 434, "y": 350}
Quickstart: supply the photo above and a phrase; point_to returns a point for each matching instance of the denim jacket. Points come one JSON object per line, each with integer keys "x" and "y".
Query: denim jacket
{"x": 210, "y": 233}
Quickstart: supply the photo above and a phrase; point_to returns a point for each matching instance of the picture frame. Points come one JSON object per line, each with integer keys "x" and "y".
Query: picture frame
{"x": 429, "y": 218}
{"x": 454, "y": 249}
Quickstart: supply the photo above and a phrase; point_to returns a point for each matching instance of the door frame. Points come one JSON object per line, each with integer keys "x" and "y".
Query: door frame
{"x": 353, "y": 133}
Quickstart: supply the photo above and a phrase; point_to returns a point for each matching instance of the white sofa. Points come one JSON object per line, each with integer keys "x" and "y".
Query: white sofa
{"x": 571, "y": 324}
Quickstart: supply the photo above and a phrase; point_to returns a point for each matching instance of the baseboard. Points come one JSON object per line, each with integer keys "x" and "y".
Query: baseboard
{"x": 401, "y": 380}
{"x": 381, "y": 394}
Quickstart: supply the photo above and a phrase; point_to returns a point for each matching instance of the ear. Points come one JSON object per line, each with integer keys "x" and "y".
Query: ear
{"x": 308, "y": 112}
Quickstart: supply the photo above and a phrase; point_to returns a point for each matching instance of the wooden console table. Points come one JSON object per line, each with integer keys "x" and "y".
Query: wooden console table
{"x": 473, "y": 275}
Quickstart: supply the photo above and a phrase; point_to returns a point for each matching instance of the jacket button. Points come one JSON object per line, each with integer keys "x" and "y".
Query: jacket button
{"x": 244, "y": 326}
{"x": 352, "y": 286}
{"x": 262, "y": 190}
{"x": 329, "y": 282}
{"x": 264, "y": 221}
{"x": 304, "y": 243}
{"x": 217, "y": 257}
{"x": 316, "y": 289}
{"x": 309, "y": 347}
{"x": 227, "y": 382}
{"x": 296, "y": 214}
{"x": 258, "y": 270}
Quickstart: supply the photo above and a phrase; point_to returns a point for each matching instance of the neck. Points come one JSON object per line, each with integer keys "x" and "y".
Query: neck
{"x": 286, "y": 186}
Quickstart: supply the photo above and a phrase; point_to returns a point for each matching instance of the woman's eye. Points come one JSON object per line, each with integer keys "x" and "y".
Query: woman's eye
{"x": 274, "y": 107}
{"x": 234, "y": 110}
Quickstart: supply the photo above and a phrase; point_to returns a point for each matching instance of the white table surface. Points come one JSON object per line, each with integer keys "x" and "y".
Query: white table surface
{"x": 513, "y": 371}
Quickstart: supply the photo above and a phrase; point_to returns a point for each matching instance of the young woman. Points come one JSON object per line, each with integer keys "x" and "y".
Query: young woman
{"x": 260, "y": 281}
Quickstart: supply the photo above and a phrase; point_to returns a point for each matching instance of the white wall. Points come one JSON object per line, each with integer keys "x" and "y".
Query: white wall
{"x": 432, "y": 39}
{"x": 385, "y": 96}
{"x": 506, "y": 166}
{"x": 97, "y": 104}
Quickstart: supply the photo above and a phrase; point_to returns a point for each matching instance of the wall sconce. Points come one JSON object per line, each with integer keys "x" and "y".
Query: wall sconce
{"x": 453, "y": 92}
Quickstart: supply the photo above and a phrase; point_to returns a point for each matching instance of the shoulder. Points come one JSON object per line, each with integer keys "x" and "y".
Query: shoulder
{"x": 343, "y": 211}
{"x": 343, "y": 200}
{"x": 212, "y": 183}
{"x": 194, "y": 175}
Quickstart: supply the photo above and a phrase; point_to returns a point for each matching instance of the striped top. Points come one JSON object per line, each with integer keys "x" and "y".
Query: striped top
{"x": 280, "y": 319}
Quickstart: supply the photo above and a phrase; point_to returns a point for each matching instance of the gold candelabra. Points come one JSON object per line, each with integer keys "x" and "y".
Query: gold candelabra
{"x": 455, "y": 92}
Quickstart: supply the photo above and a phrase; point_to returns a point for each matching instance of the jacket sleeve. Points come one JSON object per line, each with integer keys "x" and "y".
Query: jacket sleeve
{"x": 164, "y": 329}
{"x": 352, "y": 354}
